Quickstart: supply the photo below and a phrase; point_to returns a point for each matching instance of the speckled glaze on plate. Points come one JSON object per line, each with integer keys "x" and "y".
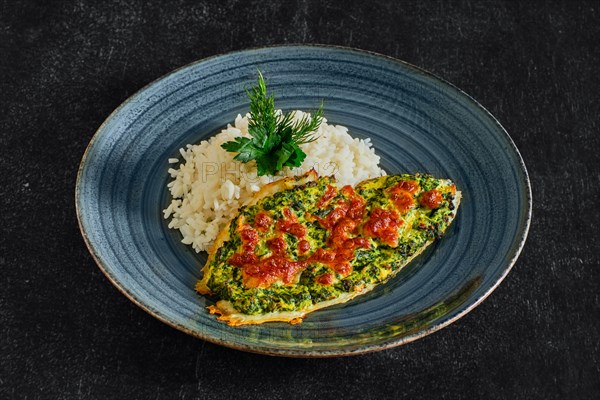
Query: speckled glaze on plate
{"x": 417, "y": 123}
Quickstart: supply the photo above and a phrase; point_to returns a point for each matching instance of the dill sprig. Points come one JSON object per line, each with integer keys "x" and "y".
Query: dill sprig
{"x": 276, "y": 138}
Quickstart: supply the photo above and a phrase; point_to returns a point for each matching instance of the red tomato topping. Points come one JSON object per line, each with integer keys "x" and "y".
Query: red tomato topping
{"x": 262, "y": 221}
{"x": 343, "y": 269}
{"x": 341, "y": 230}
{"x": 335, "y": 215}
{"x": 249, "y": 235}
{"x": 297, "y": 230}
{"x": 402, "y": 195}
{"x": 348, "y": 191}
{"x": 290, "y": 224}
{"x": 325, "y": 279}
{"x": 403, "y": 200}
{"x": 270, "y": 270}
{"x": 357, "y": 203}
{"x": 384, "y": 224}
{"x": 342, "y": 222}
{"x": 431, "y": 199}
{"x": 409, "y": 186}
{"x": 327, "y": 196}
{"x": 361, "y": 242}
{"x": 277, "y": 245}
{"x": 323, "y": 256}
{"x": 241, "y": 259}
{"x": 264, "y": 272}
{"x": 289, "y": 214}
{"x": 249, "y": 239}
{"x": 293, "y": 228}
{"x": 303, "y": 246}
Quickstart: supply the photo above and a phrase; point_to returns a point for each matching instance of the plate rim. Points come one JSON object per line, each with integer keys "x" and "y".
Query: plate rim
{"x": 299, "y": 353}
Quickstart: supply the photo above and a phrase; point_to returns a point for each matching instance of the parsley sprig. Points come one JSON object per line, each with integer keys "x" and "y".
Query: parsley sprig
{"x": 276, "y": 138}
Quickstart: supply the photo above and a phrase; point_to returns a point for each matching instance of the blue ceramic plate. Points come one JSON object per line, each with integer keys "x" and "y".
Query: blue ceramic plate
{"x": 417, "y": 123}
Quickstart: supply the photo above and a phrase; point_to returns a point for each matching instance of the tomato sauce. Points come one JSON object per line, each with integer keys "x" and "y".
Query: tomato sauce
{"x": 342, "y": 221}
{"x": 431, "y": 199}
{"x": 303, "y": 246}
{"x": 249, "y": 241}
{"x": 290, "y": 224}
{"x": 277, "y": 245}
{"x": 384, "y": 224}
{"x": 264, "y": 272}
{"x": 270, "y": 270}
{"x": 334, "y": 215}
{"x": 410, "y": 186}
{"x": 403, "y": 200}
{"x": 357, "y": 203}
{"x": 329, "y": 194}
{"x": 325, "y": 279}
{"x": 402, "y": 195}
{"x": 262, "y": 221}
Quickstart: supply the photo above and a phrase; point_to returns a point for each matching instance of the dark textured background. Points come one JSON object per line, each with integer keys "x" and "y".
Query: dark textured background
{"x": 65, "y": 332}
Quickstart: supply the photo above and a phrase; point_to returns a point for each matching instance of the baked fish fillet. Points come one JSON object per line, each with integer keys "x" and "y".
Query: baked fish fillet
{"x": 302, "y": 243}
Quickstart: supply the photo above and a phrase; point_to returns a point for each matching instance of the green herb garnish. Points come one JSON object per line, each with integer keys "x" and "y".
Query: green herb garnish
{"x": 276, "y": 138}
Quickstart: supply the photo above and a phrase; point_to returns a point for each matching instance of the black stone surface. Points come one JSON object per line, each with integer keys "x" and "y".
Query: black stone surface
{"x": 67, "y": 333}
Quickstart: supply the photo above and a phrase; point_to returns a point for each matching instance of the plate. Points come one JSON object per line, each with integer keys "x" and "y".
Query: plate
{"x": 417, "y": 123}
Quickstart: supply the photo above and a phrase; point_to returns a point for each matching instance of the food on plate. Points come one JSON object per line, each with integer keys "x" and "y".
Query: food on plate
{"x": 283, "y": 242}
{"x": 209, "y": 185}
{"x": 303, "y": 243}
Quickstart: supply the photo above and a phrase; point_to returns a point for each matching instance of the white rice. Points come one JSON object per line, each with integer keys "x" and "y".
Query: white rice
{"x": 209, "y": 186}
